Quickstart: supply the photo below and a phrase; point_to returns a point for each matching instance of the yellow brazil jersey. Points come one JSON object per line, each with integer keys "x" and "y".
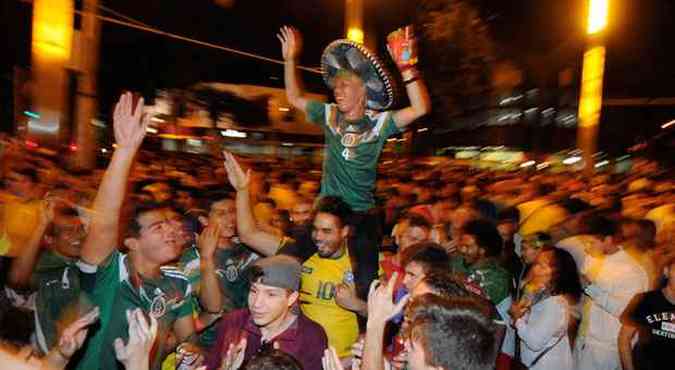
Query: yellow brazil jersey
{"x": 320, "y": 277}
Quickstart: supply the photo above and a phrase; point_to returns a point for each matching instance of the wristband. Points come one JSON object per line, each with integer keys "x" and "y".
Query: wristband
{"x": 410, "y": 75}
{"x": 411, "y": 80}
{"x": 218, "y": 313}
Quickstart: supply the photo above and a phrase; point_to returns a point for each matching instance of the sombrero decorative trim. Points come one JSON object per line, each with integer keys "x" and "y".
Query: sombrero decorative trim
{"x": 343, "y": 54}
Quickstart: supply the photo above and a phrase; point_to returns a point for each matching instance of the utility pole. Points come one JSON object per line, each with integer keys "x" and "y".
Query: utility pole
{"x": 85, "y": 61}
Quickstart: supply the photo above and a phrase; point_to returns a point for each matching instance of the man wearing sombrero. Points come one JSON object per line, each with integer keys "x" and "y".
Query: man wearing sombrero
{"x": 356, "y": 129}
{"x": 358, "y": 125}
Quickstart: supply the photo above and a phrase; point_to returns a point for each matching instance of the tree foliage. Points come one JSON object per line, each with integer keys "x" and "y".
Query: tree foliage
{"x": 457, "y": 55}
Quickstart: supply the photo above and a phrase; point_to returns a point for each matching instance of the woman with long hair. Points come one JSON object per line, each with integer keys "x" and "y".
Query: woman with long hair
{"x": 542, "y": 315}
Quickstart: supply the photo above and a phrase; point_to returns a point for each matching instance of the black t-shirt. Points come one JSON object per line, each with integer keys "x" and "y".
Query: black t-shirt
{"x": 654, "y": 316}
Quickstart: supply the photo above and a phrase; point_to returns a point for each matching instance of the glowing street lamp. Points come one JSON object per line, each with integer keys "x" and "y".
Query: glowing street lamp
{"x": 590, "y": 99}
{"x": 355, "y": 34}
{"x": 53, "y": 29}
{"x": 354, "y": 20}
{"x": 51, "y": 48}
{"x": 597, "y": 15}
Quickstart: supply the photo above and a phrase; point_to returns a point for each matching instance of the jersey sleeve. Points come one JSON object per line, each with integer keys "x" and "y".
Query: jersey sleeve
{"x": 390, "y": 128}
{"x": 316, "y": 112}
{"x": 97, "y": 279}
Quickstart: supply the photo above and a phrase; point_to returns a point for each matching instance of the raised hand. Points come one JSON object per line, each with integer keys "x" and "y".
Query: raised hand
{"x": 381, "y": 306}
{"x": 235, "y": 174}
{"x": 135, "y": 355}
{"x": 291, "y": 42}
{"x": 74, "y": 335}
{"x": 330, "y": 360}
{"x": 234, "y": 356}
{"x": 345, "y": 297}
{"x": 207, "y": 241}
{"x": 130, "y": 125}
{"x": 357, "y": 353}
{"x": 402, "y": 47}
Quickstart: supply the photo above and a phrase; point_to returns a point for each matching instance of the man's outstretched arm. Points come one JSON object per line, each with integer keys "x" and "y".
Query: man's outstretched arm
{"x": 291, "y": 45}
{"x": 403, "y": 49}
{"x": 129, "y": 127}
{"x": 259, "y": 240}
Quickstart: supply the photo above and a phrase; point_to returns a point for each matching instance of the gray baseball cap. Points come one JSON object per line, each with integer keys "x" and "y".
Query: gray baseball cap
{"x": 278, "y": 271}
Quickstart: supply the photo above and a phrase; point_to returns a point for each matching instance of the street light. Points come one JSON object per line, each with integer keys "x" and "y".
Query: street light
{"x": 52, "y": 29}
{"x": 590, "y": 99}
{"x": 597, "y": 15}
{"x": 354, "y": 20}
{"x": 355, "y": 34}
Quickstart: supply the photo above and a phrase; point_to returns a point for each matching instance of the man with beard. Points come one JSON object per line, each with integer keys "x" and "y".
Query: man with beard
{"x": 231, "y": 260}
{"x": 140, "y": 278}
{"x": 328, "y": 258}
{"x": 270, "y": 320}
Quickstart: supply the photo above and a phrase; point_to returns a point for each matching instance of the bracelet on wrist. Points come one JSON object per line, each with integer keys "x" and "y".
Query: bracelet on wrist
{"x": 409, "y": 75}
{"x": 217, "y": 313}
{"x": 414, "y": 79}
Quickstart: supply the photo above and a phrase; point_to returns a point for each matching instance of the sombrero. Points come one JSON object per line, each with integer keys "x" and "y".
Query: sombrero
{"x": 347, "y": 55}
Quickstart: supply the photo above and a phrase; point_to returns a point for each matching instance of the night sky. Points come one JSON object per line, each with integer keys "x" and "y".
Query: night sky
{"x": 540, "y": 36}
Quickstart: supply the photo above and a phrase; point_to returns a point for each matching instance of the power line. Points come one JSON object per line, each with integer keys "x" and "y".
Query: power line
{"x": 150, "y": 29}
{"x": 127, "y": 18}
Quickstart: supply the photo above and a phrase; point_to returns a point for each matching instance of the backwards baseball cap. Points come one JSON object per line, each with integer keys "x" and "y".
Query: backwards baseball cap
{"x": 277, "y": 271}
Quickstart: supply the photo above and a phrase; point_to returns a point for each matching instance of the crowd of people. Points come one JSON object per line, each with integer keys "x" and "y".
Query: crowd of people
{"x": 161, "y": 261}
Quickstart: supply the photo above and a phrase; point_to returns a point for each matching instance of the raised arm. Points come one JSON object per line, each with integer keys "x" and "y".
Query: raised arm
{"x": 261, "y": 241}
{"x": 291, "y": 45}
{"x": 210, "y": 296}
{"x": 23, "y": 265}
{"x": 381, "y": 308}
{"x": 129, "y": 127}
{"x": 402, "y": 47}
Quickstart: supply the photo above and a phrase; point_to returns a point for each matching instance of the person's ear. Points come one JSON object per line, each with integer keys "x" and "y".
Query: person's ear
{"x": 131, "y": 243}
{"x": 293, "y": 298}
{"x": 345, "y": 231}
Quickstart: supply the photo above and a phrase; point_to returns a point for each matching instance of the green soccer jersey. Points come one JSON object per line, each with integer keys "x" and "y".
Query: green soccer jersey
{"x": 230, "y": 266}
{"x": 352, "y": 152}
{"x": 167, "y": 298}
{"x": 488, "y": 276}
{"x": 59, "y": 299}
